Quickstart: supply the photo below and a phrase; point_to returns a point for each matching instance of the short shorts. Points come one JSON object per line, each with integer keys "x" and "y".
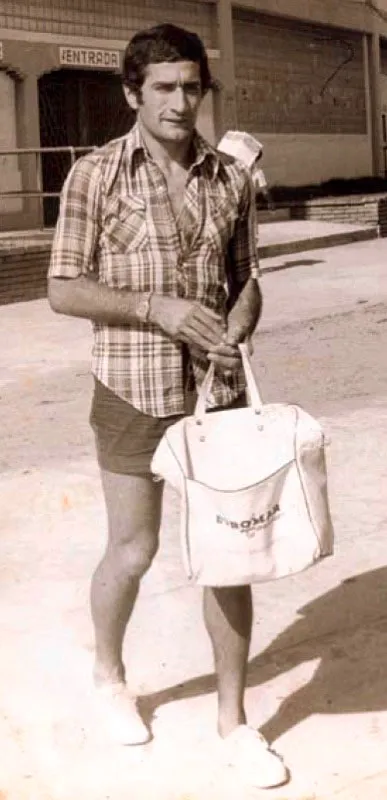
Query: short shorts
{"x": 126, "y": 439}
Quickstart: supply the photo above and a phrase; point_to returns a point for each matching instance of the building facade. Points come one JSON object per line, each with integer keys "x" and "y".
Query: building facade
{"x": 310, "y": 82}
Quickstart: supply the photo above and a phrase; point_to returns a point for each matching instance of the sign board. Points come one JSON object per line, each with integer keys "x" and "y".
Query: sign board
{"x": 89, "y": 57}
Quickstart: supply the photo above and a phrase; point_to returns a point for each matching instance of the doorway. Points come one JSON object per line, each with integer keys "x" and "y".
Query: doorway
{"x": 80, "y": 108}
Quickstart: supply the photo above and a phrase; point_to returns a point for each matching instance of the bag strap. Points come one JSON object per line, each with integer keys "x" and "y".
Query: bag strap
{"x": 254, "y": 397}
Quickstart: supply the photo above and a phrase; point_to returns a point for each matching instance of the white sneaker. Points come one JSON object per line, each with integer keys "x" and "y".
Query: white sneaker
{"x": 248, "y": 751}
{"x": 120, "y": 715}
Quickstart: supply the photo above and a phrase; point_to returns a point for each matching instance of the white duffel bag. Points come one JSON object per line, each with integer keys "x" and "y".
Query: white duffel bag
{"x": 253, "y": 488}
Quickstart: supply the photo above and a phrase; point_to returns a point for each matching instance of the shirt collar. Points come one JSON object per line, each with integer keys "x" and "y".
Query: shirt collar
{"x": 135, "y": 146}
{"x": 204, "y": 155}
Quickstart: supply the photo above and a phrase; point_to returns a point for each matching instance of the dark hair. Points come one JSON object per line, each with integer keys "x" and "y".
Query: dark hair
{"x": 159, "y": 44}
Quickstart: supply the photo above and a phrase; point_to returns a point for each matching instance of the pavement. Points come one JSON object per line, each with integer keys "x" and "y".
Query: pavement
{"x": 275, "y": 238}
{"x": 317, "y": 681}
{"x": 295, "y": 236}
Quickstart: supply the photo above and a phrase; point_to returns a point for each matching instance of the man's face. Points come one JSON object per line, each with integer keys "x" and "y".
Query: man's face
{"x": 170, "y": 100}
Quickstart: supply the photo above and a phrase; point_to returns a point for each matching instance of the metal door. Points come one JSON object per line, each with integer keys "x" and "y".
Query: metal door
{"x": 80, "y": 108}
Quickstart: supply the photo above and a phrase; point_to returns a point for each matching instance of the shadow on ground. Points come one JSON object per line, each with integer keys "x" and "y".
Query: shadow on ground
{"x": 346, "y": 629}
{"x": 297, "y": 262}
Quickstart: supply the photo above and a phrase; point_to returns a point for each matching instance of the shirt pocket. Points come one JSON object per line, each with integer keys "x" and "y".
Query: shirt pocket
{"x": 125, "y": 228}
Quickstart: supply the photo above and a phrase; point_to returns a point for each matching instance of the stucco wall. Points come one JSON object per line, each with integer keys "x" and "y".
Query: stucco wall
{"x": 302, "y": 159}
{"x": 9, "y": 168}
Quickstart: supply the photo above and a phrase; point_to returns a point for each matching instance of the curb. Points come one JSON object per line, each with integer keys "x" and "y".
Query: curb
{"x": 315, "y": 243}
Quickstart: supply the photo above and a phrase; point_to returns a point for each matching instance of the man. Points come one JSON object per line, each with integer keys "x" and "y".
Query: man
{"x": 152, "y": 228}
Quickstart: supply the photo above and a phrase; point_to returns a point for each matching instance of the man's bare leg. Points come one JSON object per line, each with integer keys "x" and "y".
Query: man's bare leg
{"x": 133, "y": 506}
{"x": 228, "y": 619}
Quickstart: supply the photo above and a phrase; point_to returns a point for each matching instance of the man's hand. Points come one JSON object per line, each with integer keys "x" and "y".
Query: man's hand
{"x": 245, "y": 314}
{"x": 226, "y": 357}
{"x": 187, "y": 321}
{"x": 241, "y": 323}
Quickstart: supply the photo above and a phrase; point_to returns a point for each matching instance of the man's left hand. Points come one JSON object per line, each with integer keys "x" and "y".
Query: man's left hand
{"x": 241, "y": 323}
{"x": 225, "y": 356}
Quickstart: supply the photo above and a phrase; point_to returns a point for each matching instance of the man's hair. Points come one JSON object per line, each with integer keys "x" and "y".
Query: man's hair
{"x": 159, "y": 44}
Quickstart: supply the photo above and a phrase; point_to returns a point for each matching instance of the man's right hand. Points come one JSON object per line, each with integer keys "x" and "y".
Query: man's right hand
{"x": 187, "y": 321}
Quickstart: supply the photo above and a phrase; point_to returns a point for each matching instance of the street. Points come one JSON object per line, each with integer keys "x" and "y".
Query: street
{"x": 317, "y": 683}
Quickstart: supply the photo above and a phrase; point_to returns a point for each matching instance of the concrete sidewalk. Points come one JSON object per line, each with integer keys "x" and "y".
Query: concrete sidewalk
{"x": 275, "y": 238}
{"x": 296, "y": 236}
{"x": 317, "y": 685}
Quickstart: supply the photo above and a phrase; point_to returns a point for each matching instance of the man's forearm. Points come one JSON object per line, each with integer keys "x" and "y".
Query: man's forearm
{"x": 85, "y": 297}
{"x": 180, "y": 319}
{"x": 246, "y": 312}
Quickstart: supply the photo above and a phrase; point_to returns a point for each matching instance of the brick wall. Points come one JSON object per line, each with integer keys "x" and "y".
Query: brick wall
{"x": 114, "y": 19}
{"x": 295, "y": 77}
{"x": 357, "y": 210}
{"x": 23, "y": 273}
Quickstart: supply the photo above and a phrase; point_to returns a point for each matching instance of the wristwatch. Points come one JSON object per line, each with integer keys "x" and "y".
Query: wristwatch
{"x": 143, "y": 307}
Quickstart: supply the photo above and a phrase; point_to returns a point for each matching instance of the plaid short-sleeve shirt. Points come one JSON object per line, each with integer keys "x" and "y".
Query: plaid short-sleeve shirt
{"x": 116, "y": 221}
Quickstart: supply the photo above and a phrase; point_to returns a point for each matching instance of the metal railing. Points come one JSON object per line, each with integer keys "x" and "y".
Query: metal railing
{"x": 39, "y": 192}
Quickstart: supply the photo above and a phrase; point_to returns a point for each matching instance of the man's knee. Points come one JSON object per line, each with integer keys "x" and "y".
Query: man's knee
{"x": 133, "y": 558}
{"x": 134, "y": 514}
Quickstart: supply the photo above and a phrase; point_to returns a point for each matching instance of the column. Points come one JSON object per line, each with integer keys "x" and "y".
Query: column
{"x": 9, "y": 170}
{"x": 29, "y": 137}
{"x": 376, "y": 103}
{"x": 226, "y": 110}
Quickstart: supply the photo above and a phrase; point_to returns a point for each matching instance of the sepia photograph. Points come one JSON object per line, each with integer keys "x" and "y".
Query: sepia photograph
{"x": 193, "y": 415}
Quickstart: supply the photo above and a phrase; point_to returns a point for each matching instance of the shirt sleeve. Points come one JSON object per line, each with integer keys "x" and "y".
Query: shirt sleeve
{"x": 243, "y": 253}
{"x": 77, "y": 229}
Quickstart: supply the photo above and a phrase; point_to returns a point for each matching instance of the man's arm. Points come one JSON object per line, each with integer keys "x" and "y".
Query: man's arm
{"x": 180, "y": 319}
{"x": 246, "y": 308}
{"x": 85, "y": 297}
{"x": 245, "y": 297}
{"x": 245, "y": 314}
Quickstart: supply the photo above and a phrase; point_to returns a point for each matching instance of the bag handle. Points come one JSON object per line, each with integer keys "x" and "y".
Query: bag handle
{"x": 254, "y": 397}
